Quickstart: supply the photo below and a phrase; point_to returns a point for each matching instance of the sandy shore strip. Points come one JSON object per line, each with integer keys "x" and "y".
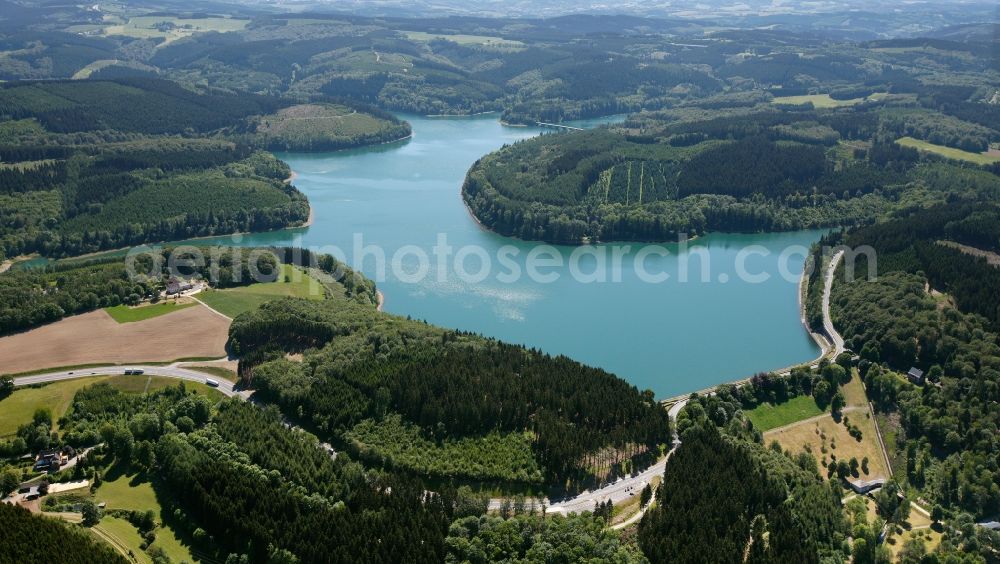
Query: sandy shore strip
{"x": 309, "y": 220}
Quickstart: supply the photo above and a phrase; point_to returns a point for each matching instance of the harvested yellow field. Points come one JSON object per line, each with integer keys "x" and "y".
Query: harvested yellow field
{"x": 854, "y": 392}
{"x": 823, "y": 433}
{"x": 90, "y": 338}
{"x": 919, "y": 527}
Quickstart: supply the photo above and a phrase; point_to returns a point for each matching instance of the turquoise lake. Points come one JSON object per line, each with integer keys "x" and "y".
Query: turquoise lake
{"x": 672, "y": 337}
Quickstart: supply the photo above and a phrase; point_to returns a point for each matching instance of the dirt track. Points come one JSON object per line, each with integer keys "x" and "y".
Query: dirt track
{"x": 96, "y": 338}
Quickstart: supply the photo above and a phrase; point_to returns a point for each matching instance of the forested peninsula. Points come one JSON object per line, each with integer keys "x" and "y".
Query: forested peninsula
{"x": 95, "y": 165}
{"x": 690, "y": 170}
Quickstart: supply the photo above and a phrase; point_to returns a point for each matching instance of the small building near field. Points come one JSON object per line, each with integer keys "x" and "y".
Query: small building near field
{"x": 49, "y": 459}
{"x": 176, "y": 286}
{"x": 916, "y": 376}
{"x": 862, "y": 487}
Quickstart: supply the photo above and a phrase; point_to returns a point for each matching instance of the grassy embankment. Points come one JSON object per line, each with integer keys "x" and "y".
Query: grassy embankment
{"x": 124, "y": 491}
{"x": 948, "y": 152}
{"x": 126, "y": 314}
{"x": 18, "y": 408}
{"x": 293, "y": 282}
{"x": 768, "y": 416}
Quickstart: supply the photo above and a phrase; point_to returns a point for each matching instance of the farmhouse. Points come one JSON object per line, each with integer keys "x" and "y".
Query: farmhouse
{"x": 176, "y": 286}
{"x": 49, "y": 459}
{"x": 53, "y": 459}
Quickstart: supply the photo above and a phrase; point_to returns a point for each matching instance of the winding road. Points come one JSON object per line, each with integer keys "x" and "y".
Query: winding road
{"x": 831, "y": 331}
{"x": 617, "y": 492}
{"x": 171, "y": 371}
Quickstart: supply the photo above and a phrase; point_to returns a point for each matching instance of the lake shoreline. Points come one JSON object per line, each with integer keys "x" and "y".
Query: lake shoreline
{"x": 405, "y": 195}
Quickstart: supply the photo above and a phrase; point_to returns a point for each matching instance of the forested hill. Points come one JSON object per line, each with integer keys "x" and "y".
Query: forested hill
{"x": 33, "y": 538}
{"x": 724, "y": 499}
{"x": 722, "y": 167}
{"x": 92, "y": 165}
{"x": 412, "y": 396}
{"x": 131, "y": 105}
{"x": 934, "y": 307}
{"x": 531, "y": 70}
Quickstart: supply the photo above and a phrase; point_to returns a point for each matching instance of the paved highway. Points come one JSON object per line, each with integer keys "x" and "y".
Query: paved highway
{"x": 617, "y": 492}
{"x": 225, "y": 386}
{"x": 831, "y": 331}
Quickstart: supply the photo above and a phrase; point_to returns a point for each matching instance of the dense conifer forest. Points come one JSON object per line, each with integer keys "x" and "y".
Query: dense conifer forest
{"x": 239, "y": 483}
{"x": 691, "y": 171}
{"x": 32, "y": 538}
{"x": 377, "y": 438}
{"x": 752, "y": 505}
{"x": 374, "y": 382}
{"x": 95, "y": 165}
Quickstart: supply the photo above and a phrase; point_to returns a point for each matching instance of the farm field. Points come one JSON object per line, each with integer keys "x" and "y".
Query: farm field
{"x": 817, "y": 100}
{"x": 173, "y": 28}
{"x": 828, "y": 439}
{"x": 126, "y": 314}
{"x": 948, "y": 152}
{"x": 19, "y": 407}
{"x": 464, "y": 39}
{"x": 95, "y": 337}
{"x": 767, "y": 416}
{"x": 235, "y": 301}
{"x": 90, "y": 69}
